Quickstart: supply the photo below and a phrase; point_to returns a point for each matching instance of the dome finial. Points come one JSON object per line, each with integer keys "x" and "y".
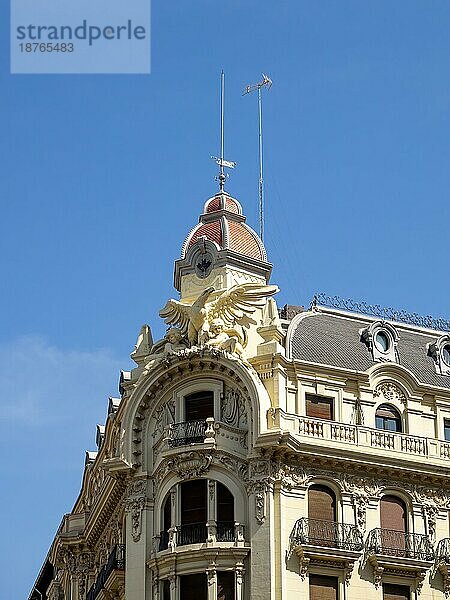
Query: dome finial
{"x": 222, "y": 176}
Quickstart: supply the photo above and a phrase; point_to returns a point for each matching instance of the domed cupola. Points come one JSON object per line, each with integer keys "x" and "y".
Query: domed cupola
{"x": 221, "y": 250}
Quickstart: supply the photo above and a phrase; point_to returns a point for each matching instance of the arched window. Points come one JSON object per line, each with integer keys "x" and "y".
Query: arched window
{"x": 394, "y": 525}
{"x": 393, "y": 513}
{"x": 322, "y": 529}
{"x": 225, "y": 514}
{"x": 192, "y": 504}
{"x": 166, "y": 523}
{"x": 321, "y": 503}
{"x": 388, "y": 418}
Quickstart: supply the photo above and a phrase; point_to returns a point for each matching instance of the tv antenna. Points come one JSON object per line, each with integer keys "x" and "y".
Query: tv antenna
{"x": 222, "y": 176}
{"x": 266, "y": 82}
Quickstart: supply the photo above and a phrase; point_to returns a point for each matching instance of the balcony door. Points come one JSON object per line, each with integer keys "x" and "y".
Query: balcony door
{"x": 193, "y": 511}
{"x": 225, "y": 514}
{"x": 322, "y": 516}
{"x": 199, "y": 406}
{"x": 393, "y": 525}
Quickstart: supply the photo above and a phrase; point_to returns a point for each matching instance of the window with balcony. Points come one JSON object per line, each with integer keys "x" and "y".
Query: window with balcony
{"x": 199, "y": 405}
{"x": 193, "y": 497}
{"x": 197, "y": 514}
{"x": 388, "y": 418}
{"x": 396, "y": 592}
{"x": 319, "y": 407}
{"x": 322, "y": 516}
{"x": 323, "y": 588}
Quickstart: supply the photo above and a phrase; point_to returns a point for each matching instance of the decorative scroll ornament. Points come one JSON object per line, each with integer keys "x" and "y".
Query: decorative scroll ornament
{"x": 134, "y": 502}
{"x": 219, "y": 323}
{"x": 390, "y": 392}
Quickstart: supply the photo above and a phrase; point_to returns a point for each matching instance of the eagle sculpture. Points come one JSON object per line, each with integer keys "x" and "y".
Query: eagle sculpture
{"x": 234, "y": 306}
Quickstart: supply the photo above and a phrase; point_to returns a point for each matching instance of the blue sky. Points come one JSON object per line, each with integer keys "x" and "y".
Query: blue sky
{"x": 102, "y": 176}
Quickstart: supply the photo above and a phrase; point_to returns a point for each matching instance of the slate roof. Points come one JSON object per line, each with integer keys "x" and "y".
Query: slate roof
{"x": 333, "y": 339}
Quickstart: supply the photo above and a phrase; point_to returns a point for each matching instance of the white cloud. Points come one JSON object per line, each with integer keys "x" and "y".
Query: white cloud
{"x": 40, "y": 383}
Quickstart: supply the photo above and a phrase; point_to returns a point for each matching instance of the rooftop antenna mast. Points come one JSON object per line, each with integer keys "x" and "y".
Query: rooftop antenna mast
{"x": 222, "y": 176}
{"x": 266, "y": 82}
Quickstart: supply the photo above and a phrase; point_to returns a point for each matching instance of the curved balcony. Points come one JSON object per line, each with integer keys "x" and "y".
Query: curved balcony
{"x": 387, "y": 542}
{"x": 200, "y": 533}
{"x": 204, "y": 433}
{"x": 398, "y": 553}
{"x": 186, "y": 432}
{"x": 326, "y": 534}
{"x": 313, "y": 541}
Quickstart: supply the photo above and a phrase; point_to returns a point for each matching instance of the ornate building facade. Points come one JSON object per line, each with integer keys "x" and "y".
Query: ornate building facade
{"x": 264, "y": 454}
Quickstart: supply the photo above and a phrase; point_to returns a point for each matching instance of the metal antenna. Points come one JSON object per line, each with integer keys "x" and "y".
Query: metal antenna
{"x": 221, "y": 160}
{"x": 266, "y": 82}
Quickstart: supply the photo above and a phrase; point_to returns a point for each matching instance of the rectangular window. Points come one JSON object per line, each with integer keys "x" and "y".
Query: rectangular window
{"x": 199, "y": 406}
{"x": 193, "y": 587}
{"x": 323, "y": 588}
{"x": 225, "y": 585}
{"x": 396, "y": 592}
{"x": 319, "y": 407}
{"x": 447, "y": 429}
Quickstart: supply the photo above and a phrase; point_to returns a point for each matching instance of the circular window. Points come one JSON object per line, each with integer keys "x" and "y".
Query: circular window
{"x": 446, "y": 354}
{"x": 382, "y": 341}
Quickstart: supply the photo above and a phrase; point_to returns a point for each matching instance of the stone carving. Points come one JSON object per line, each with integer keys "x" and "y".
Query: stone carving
{"x": 232, "y": 409}
{"x": 164, "y": 415}
{"x": 233, "y": 307}
{"x": 212, "y": 490}
{"x": 228, "y": 340}
{"x": 185, "y": 465}
{"x": 134, "y": 502}
{"x": 390, "y": 392}
{"x": 260, "y": 506}
{"x": 174, "y": 341}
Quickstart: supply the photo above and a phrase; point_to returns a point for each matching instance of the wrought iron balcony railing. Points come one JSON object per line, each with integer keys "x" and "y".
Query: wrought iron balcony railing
{"x": 194, "y": 533}
{"x": 328, "y": 534}
{"x": 225, "y": 531}
{"x": 443, "y": 551}
{"x": 116, "y": 560}
{"x": 187, "y": 432}
{"x": 387, "y": 542}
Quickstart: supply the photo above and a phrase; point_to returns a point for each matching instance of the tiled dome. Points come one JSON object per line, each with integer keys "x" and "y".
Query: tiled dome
{"x": 223, "y": 223}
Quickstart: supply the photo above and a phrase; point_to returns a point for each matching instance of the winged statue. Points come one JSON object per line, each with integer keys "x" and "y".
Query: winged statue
{"x": 234, "y": 306}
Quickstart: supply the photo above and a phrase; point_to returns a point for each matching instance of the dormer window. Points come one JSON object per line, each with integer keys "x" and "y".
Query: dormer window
{"x": 381, "y": 339}
{"x": 440, "y": 353}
